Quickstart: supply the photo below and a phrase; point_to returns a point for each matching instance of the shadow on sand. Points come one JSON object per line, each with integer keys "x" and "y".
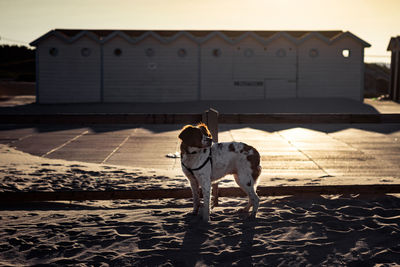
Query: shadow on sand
{"x": 289, "y": 231}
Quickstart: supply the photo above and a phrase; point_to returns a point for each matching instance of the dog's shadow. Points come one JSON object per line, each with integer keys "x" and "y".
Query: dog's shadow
{"x": 196, "y": 234}
{"x": 206, "y": 241}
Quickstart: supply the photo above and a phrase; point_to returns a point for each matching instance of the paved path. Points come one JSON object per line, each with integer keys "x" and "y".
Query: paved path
{"x": 306, "y": 154}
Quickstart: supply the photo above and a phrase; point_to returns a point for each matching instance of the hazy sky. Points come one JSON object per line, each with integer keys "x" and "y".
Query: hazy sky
{"x": 374, "y": 21}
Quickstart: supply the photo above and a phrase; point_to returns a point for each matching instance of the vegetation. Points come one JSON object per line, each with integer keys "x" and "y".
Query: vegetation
{"x": 17, "y": 63}
{"x": 379, "y": 67}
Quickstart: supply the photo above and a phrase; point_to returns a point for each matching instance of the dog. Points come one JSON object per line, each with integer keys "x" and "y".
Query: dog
{"x": 204, "y": 163}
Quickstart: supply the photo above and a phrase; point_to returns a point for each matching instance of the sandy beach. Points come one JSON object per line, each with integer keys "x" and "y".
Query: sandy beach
{"x": 289, "y": 231}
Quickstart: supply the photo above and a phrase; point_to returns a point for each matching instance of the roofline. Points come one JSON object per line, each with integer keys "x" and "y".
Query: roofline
{"x": 199, "y": 39}
{"x": 65, "y": 38}
{"x": 394, "y": 44}
{"x": 349, "y": 34}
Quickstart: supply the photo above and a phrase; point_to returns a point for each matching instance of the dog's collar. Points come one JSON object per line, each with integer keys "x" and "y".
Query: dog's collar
{"x": 209, "y": 159}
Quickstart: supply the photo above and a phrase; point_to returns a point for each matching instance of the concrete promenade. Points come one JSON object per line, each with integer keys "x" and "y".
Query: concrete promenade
{"x": 291, "y": 154}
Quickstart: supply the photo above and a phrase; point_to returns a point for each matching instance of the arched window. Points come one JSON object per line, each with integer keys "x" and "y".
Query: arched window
{"x": 53, "y": 51}
{"x": 313, "y": 53}
{"x": 150, "y": 52}
{"x": 281, "y": 53}
{"x": 346, "y": 53}
{"x": 85, "y": 52}
{"x": 182, "y": 52}
{"x": 217, "y": 52}
{"x": 248, "y": 52}
{"x": 117, "y": 52}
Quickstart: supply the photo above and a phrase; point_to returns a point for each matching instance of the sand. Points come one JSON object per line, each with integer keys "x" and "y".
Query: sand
{"x": 288, "y": 231}
{"x": 21, "y": 171}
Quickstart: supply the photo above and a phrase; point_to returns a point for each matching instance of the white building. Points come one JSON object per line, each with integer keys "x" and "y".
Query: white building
{"x": 167, "y": 66}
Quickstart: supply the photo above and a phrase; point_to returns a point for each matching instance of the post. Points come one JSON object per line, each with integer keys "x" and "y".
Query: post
{"x": 210, "y": 117}
{"x": 396, "y": 95}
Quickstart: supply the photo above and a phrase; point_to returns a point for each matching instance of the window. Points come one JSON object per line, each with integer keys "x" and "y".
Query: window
{"x": 281, "y": 53}
{"x": 53, "y": 51}
{"x": 217, "y": 52}
{"x": 182, "y": 52}
{"x": 248, "y": 52}
{"x": 150, "y": 52}
{"x": 313, "y": 53}
{"x": 346, "y": 53}
{"x": 85, "y": 52}
{"x": 117, "y": 52}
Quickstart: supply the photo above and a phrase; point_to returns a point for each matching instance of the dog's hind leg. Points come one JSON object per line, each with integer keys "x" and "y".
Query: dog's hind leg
{"x": 255, "y": 201}
{"x": 246, "y": 183}
{"x": 214, "y": 190}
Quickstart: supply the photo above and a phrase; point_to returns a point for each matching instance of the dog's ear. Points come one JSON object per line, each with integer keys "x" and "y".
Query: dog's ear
{"x": 185, "y": 132}
{"x": 204, "y": 129}
{"x": 191, "y": 136}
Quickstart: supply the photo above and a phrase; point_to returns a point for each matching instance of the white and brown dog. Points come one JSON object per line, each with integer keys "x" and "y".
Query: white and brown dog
{"x": 204, "y": 163}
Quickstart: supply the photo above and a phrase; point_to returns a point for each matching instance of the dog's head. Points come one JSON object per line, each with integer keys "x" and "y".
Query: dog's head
{"x": 196, "y": 136}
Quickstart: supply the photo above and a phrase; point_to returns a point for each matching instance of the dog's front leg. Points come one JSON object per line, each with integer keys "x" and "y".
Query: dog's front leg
{"x": 194, "y": 185}
{"x": 205, "y": 188}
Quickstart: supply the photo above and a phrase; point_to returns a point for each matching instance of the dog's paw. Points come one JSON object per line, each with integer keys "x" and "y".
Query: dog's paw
{"x": 191, "y": 214}
{"x": 242, "y": 211}
{"x": 205, "y": 215}
{"x": 195, "y": 211}
{"x": 246, "y": 216}
{"x": 250, "y": 217}
{"x": 205, "y": 220}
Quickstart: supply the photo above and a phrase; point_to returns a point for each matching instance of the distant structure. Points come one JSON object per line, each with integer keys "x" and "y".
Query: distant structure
{"x": 78, "y": 66}
{"x": 377, "y": 79}
{"x": 394, "y": 47}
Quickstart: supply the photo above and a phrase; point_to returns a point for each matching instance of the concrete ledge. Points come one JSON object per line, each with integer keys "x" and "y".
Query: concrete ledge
{"x": 302, "y": 118}
{"x": 255, "y": 118}
{"x": 99, "y": 118}
{"x": 13, "y": 197}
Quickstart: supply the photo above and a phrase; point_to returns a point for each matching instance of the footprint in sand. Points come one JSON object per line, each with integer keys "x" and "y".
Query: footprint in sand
{"x": 276, "y": 179}
{"x": 118, "y": 216}
{"x": 76, "y": 166}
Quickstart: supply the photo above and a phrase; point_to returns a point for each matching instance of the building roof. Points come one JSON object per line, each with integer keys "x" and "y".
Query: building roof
{"x": 230, "y": 34}
{"x": 394, "y": 44}
{"x": 198, "y": 36}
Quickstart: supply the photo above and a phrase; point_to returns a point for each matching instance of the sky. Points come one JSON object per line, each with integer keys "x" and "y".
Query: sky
{"x": 375, "y": 21}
